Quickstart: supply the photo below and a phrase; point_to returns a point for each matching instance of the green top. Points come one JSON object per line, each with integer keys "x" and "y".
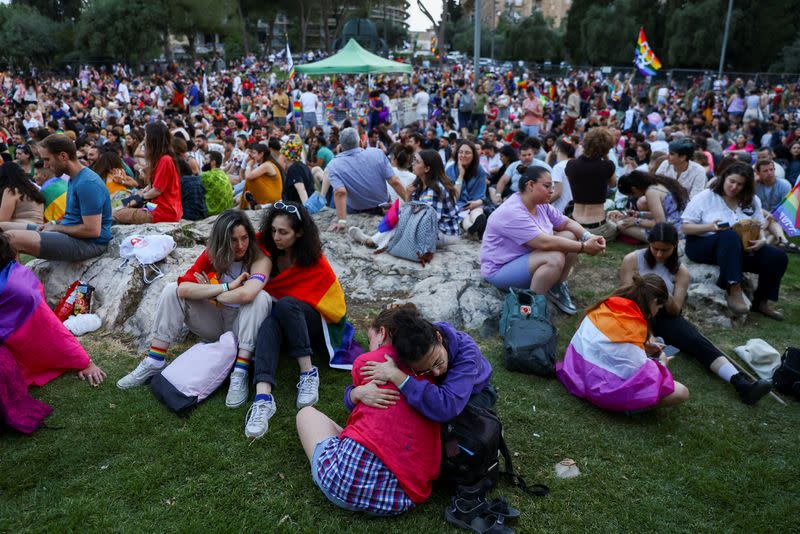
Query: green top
{"x": 219, "y": 191}
{"x": 480, "y": 103}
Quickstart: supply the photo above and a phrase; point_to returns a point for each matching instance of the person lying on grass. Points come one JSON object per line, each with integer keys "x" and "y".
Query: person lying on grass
{"x": 461, "y": 374}
{"x": 661, "y": 258}
{"x": 385, "y": 459}
{"x": 612, "y": 361}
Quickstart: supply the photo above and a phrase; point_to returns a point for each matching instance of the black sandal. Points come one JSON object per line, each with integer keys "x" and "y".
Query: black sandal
{"x": 474, "y": 516}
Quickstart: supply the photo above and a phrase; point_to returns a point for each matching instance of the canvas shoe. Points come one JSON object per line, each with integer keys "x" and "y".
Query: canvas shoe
{"x": 560, "y": 296}
{"x": 308, "y": 389}
{"x": 257, "y": 418}
{"x": 238, "y": 391}
{"x": 139, "y": 376}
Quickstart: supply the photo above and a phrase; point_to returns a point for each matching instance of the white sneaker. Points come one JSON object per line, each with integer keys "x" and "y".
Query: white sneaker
{"x": 257, "y": 418}
{"x": 146, "y": 368}
{"x": 308, "y": 390}
{"x": 238, "y": 391}
{"x": 357, "y": 235}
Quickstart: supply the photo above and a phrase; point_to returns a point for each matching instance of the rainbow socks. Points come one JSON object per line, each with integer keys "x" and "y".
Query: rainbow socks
{"x": 157, "y": 354}
{"x": 242, "y": 364}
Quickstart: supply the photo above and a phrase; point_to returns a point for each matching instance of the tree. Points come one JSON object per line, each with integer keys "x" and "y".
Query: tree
{"x": 609, "y": 34}
{"x": 532, "y": 39}
{"x": 59, "y": 10}
{"x": 789, "y": 58}
{"x": 190, "y": 17}
{"x": 573, "y": 38}
{"x": 130, "y": 31}
{"x": 28, "y": 36}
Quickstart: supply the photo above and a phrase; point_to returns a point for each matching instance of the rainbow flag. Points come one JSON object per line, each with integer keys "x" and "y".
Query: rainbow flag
{"x": 298, "y": 109}
{"x": 787, "y": 213}
{"x": 606, "y": 363}
{"x": 329, "y": 112}
{"x": 645, "y": 59}
{"x": 54, "y": 192}
{"x": 318, "y": 286}
{"x": 289, "y": 64}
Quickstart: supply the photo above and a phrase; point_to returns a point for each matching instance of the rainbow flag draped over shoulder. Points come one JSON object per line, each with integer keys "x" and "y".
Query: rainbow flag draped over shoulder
{"x": 787, "y": 213}
{"x": 645, "y": 59}
{"x": 606, "y": 364}
{"x": 318, "y": 286}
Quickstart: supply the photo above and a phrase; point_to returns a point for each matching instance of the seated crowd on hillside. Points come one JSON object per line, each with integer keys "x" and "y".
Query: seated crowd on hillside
{"x": 536, "y": 192}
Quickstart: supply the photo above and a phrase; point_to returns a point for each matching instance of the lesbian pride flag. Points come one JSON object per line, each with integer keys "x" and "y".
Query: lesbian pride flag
{"x": 606, "y": 363}
{"x": 787, "y": 212}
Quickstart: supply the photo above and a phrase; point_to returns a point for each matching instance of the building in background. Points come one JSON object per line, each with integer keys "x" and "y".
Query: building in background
{"x": 516, "y": 10}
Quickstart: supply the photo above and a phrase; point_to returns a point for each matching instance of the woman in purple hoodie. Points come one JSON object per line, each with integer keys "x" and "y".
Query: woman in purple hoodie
{"x": 461, "y": 373}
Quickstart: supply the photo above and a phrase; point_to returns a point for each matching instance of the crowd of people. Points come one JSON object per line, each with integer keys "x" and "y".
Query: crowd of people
{"x": 538, "y": 170}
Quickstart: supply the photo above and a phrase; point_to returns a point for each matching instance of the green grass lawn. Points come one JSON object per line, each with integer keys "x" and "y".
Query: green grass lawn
{"x": 119, "y": 461}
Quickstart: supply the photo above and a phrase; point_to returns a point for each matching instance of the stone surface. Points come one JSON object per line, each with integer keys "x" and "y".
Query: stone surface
{"x": 450, "y": 288}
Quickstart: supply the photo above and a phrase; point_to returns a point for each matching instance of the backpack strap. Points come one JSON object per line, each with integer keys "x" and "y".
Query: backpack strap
{"x": 536, "y": 490}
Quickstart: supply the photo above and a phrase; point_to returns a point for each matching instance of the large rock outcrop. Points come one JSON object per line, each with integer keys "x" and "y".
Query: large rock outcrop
{"x": 450, "y": 288}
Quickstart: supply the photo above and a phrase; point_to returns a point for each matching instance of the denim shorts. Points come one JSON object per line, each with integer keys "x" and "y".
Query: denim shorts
{"x": 512, "y": 274}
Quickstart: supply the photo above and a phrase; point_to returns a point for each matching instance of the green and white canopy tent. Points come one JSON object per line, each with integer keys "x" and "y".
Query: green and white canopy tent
{"x": 352, "y": 59}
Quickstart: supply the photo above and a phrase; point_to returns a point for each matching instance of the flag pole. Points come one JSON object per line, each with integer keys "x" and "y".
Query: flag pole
{"x": 725, "y": 39}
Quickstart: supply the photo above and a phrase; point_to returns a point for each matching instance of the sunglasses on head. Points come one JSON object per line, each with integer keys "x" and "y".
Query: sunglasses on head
{"x": 288, "y": 208}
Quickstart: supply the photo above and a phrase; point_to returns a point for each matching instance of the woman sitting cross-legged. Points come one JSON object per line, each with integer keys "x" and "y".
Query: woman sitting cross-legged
{"x": 660, "y": 199}
{"x": 461, "y": 374}
{"x": 708, "y": 222}
{"x": 607, "y": 360}
{"x": 661, "y": 258}
{"x": 528, "y": 243}
{"x": 221, "y": 292}
{"x": 308, "y": 302}
{"x": 432, "y": 187}
{"x": 384, "y": 461}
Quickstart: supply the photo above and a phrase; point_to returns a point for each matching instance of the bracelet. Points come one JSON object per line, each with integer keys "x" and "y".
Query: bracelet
{"x": 342, "y": 221}
{"x": 637, "y": 222}
{"x": 586, "y": 235}
{"x": 583, "y": 245}
{"x": 403, "y": 383}
{"x": 225, "y": 287}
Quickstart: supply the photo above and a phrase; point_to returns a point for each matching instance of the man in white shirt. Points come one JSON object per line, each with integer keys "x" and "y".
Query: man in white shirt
{"x": 308, "y": 103}
{"x": 123, "y": 94}
{"x": 421, "y": 100}
{"x": 680, "y": 166}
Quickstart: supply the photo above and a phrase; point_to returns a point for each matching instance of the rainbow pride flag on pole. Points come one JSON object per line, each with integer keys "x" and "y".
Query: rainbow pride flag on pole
{"x": 645, "y": 59}
{"x": 289, "y": 64}
{"x": 787, "y": 213}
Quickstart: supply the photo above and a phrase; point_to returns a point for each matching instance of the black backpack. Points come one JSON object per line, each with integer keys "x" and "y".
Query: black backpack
{"x": 472, "y": 444}
{"x": 786, "y": 378}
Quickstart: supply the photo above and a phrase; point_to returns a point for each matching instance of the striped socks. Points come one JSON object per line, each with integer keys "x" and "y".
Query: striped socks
{"x": 157, "y": 354}
{"x": 242, "y": 364}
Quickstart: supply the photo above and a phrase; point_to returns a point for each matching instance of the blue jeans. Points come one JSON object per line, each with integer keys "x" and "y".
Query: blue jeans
{"x": 725, "y": 250}
{"x": 530, "y": 131}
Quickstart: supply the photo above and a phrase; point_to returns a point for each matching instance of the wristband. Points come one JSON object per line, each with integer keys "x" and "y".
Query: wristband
{"x": 403, "y": 383}
{"x": 342, "y": 221}
{"x": 258, "y": 276}
{"x": 637, "y": 222}
{"x": 225, "y": 287}
{"x": 583, "y": 244}
{"x": 586, "y": 235}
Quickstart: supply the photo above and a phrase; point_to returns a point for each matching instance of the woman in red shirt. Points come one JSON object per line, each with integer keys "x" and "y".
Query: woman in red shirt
{"x": 384, "y": 461}
{"x": 161, "y": 200}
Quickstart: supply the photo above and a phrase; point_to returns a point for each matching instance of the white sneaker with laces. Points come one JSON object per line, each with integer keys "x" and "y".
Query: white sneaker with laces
{"x": 308, "y": 390}
{"x": 238, "y": 391}
{"x": 146, "y": 368}
{"x": 257, "y": 418}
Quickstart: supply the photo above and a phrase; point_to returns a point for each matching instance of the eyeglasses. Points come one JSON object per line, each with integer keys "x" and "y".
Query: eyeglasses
{"x": 549, "y": 186}
{"x": 435, "y": 366}
{"x": 288, "y": 208}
